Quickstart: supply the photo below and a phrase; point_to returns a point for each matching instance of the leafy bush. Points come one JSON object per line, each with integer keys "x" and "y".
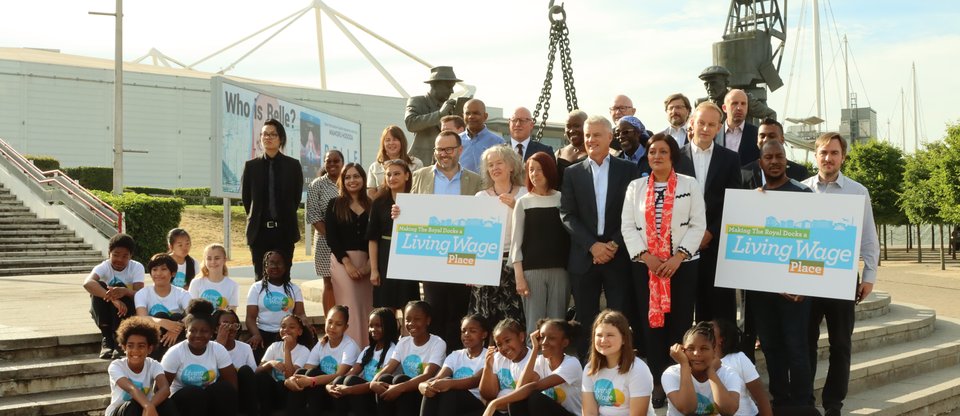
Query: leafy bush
{"x": 45, "y": 163}
{"x": 148, "y": 190}
{"x": 191, "y": 192}
{"x": 148, "y": 219}
{"x": 92, "y": 177}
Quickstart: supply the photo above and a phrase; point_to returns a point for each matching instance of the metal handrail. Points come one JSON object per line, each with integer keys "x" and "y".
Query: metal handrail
{"x": 66, "y": 184}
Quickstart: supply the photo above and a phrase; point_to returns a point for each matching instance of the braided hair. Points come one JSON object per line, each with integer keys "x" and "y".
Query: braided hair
{"x": 287, "y": 286}
{"x": 704, "y": 328}
{"x": 391, "y": 333}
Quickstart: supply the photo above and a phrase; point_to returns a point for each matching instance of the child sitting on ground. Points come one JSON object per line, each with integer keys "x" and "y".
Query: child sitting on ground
{"x": 112, "y": 285}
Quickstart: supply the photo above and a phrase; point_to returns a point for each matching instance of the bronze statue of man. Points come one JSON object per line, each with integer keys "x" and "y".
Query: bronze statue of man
{"x": 425, "y": 111}
{"x": 716, "y": 80}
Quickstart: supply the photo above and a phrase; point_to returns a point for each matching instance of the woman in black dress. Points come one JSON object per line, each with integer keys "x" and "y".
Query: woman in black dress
{"x": 390, "y": 293}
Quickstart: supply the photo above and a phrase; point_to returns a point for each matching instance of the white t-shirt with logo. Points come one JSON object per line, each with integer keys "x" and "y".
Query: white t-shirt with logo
{"x": 613, "y": 390}
{"x": 175, "y": 302}
{"x": 223, "y": 294}
{"x": 195, "y": 370}
{"x": 328, "y": 357}
{"x": 508, "y": 372}
{"x": 462, "y": 366}
{"x": 133, "y": 273}
{"x": 566, "y": 394}
{"x": 273, "y": 303}
{"x": 740, "y": 364}
{"x": 144, "y": 380}
{"x": 275, "y": 352}
{"x": 414, "y": 359}
{"x": 705, "y": 401}
{"x": 242, "y": 355}
{"x": 374, "y": 365}
{"x": 180, "y": 278}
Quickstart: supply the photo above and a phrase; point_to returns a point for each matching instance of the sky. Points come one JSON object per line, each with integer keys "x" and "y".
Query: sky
{"x": 646, "y": 49}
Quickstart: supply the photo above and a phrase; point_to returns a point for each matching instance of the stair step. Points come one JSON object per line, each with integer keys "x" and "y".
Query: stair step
{"x": 933, "y": 393}
{"x": 40, "y": 246}
{"x": 31, "y": 260}
{"x": 877, "y": 304}
{"x": 45, "y": 239}
{"x": 14, "y": 215}
{"x": 73, "y": 252}
{"x": 76, "y": 401}
{"x": 40, "y": 348}
{"x": 10, "y": 207}
{"x": 30, "y": 225}
{"x": 36, "y": 376}
{"x": 16, "y": 220}
{"x": 29, "y": 271}
{"x": 59, "y": 231}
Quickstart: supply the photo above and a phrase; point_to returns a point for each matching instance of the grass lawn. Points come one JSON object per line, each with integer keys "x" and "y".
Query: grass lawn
{"x": 205, "y": 225}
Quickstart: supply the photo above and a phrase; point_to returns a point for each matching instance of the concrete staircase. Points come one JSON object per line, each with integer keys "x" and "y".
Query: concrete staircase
{"x": 31, "y": 245}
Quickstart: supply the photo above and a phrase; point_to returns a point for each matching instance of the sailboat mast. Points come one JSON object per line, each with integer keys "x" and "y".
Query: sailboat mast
{"x": 916, "y": 109}
{"x": 816, "y": 53}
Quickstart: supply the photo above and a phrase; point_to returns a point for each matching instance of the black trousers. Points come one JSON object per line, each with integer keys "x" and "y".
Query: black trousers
{"x": 132, "y": 408}
{"x": 160, "y": 350}
{"x": 219, "y": 399}
{"x": 449, "y": 302}
{"x": 272, "y": 394}
{"x": 713, "y": 302}
{"x": 268, "y": 339}
{"x": 269, "y": 239}
{"x": 357, "y": 404}
{"x": 782, "y": 326}
{"x": 840, "y": 315}
{"x": 452, "y": 402}
{"x": 247, "y": 389}
{"x": 538, "y": 404}
{"x": 408, "y": 404}
{"x": 613, "y": 281}
{"x": 105, "y": 315}
{"x": 311, "y": 400}
{"x": 683, "y": 295}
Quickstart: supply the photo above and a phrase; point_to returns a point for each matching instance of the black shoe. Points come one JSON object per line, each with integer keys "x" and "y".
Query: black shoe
{"x": 658, "y": 399}
{"x": 831, "y": 412}
{"x": 106, "y": 350}
{"x": 118, "y": 353}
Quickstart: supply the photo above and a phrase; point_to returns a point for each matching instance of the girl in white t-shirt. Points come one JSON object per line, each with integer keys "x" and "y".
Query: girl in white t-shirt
{"x": 163, "y": 302}
{"x": 455, "y": 389}
{"x": 753, "y": 397}
{"x": 178, "y": 246}
{"x": 203, "y": 380}
{"x": 268, "y": 301}
{"x": 332, "y": 357}
{"x": 213, "y": 283}
{"x": 228, "y": 326}
{"x": 554, "y": 374}
{"x": 281, "y": 360}
{"x": 699, "y": 384}
{"x": 137, "y": 384}
{"x": 615, "y": 381}
{"x": 503, "y": 364}
{"x": 352, "y": 392}
{"x": 417, "y": 358}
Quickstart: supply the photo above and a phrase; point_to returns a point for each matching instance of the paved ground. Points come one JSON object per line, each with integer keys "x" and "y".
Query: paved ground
{"x": 35, "y": 306}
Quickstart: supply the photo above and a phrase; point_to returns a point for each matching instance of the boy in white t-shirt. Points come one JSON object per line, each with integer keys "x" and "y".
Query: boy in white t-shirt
{"x": 137, "y": 382}
{"x": 164, "y": 303}
{"x": 112, "y": 285}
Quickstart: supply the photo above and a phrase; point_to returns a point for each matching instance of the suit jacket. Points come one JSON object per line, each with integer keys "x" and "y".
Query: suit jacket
{"x": 748, "y": 149}
{"x": 534, "y": 147}
{"x": 686, "y": 228}
{"x": 253, "y": 191}
{"x": 578, "y": 209}
{"x": 422, "y": 117}
{"x": 751, "y": 173}
{"x": 722, "y": 174}
{"x": 470, "y": 183}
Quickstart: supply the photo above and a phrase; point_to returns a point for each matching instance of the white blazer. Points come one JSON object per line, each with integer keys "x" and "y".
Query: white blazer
{"x": 689, "y": 217}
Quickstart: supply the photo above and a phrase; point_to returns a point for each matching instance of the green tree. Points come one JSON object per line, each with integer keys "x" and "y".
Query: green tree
{"x": 879, "y": 166}
{"x": 946, "y": 179}
{"x": 919, "y": 197}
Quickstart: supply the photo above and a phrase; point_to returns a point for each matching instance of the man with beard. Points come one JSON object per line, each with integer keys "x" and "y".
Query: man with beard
{"x": 753, "y": 175}
{"x": 678, "y": 109}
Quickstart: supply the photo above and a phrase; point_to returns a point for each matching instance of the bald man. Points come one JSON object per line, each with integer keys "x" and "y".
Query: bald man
{"x": 521, "y": 130}
{"x": 477, "y": 137}
{"x": 737, "y": 134}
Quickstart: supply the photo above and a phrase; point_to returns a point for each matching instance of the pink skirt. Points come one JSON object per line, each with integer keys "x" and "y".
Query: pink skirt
{"x": 357, "y": 295}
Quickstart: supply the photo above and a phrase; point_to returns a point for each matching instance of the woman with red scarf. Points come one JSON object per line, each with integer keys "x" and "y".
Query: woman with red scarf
{"x": 663, "y": 223}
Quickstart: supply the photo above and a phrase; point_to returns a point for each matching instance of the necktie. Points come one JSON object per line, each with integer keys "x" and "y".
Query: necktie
{"x": 520, "y": 149}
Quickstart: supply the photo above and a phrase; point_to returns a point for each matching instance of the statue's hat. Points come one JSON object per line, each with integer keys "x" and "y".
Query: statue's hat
{"x": 714, "y": 70}
{"x": 442, "y": 73}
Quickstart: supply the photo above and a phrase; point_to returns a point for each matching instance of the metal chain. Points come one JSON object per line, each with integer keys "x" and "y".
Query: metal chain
{"x": 559, "y": 40}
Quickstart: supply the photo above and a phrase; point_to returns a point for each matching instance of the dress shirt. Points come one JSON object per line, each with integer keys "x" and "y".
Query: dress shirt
{"x": 524, "y": 142}
{"x": 679, "y": 134}
{"x": 637, "y": 155}
{"x": 701, "y": 163}
{"x": 732, "y": 136}
{"x": 473, "y": 147}
{"x": 444, "y": 186}
{"x": 869, "y": 242}
{"x": 600, "y": 175}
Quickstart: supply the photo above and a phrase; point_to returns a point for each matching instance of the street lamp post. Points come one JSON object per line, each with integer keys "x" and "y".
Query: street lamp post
{"x": 117, "y": 98}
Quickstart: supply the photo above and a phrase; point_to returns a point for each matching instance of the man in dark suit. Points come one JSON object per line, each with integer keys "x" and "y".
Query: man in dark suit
{"x": 521, "y": 125}
{"x": 423, "y": 112}
{"x": 271, "y": 187}
{"x": 737, "y": 134}
{"x": 716, "y": 169}
{"x": 770, "y": 129}
{"x": 590, "y": 206}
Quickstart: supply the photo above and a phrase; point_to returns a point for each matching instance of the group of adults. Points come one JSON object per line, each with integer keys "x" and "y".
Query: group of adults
{"x": 620, "y": 213}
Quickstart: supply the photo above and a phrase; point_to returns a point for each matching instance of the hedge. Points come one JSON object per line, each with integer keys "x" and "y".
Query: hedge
{"x": 92, "y": 177}
{"x": 205, "y": 192}
{"x": 148, "y": 219}
{"x": 148, "y": 190}
{"x": 45, "y": 163}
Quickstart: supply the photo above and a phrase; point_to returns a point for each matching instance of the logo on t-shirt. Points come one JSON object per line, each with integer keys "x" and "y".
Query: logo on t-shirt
{"x": 139, "y": 386}
{"x": 606, "y": 394}
{"x": 463, "y": 372}
{"x": 328, "y": 365}
{"x": 370, "y": 369}
{"x": 276, "y": 302}
{"x": 116, "y": 282}
{"x": 215, "y": 298}
{"x": 556, "y": 393}
{"x": 705, "y": 406}
{"x": 158, "y": 309}
{"x": 197, "y": 375}
{"x": 277, "y": 374}
{"x": 506, "y": 380}
{"x": 180, "y": 280}
{"x": 413, "y": 365}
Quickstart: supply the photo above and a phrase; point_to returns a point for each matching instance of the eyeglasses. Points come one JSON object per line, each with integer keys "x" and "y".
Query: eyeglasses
{"x": 521, "y": 120}
{"x": 444, "y": 150}
{"x": 270, "y": 134}
{"x": 621, "y": 108}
